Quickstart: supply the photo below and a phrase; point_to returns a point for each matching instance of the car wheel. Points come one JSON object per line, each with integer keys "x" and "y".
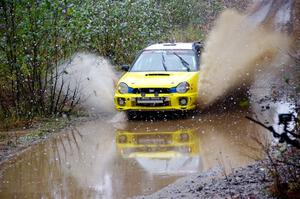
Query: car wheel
{"x": 131, "y": 115}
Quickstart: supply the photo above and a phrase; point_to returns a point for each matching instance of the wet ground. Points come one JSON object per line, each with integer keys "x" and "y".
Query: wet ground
{"x": 119, "y": 159}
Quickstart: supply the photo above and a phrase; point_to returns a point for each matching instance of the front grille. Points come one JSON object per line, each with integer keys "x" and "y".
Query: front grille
{"x": 149, "y": 149}
{"x": 167, "y": 103}
{"x": 154, "y": 139}
{"x": 151, "y": 102}
{"x": 151, "y": 90}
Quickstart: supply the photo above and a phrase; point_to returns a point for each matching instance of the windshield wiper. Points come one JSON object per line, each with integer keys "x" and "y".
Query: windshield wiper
{"x": 184, "y": 63}
{"x": 163, "y": 61}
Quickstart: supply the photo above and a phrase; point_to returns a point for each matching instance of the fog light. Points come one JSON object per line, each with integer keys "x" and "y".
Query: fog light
{"x": 185, "y": 149}
{"x": 183, "y": 101}
{"x": 122, "y": 139}
{"x": 121, "y": 101}
{"x": 184, "y": 137}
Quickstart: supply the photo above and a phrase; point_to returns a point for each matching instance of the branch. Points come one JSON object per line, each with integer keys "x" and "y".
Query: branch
{"x": 284, "y": 136}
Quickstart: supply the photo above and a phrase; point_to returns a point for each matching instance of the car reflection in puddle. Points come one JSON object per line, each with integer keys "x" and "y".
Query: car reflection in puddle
{"x": 163, "y": 153}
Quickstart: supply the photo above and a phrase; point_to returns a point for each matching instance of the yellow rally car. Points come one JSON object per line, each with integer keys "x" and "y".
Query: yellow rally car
{"x": 163, "y": 77}
{"x": 174, "y": 152}
{"x": 158, "y": 144}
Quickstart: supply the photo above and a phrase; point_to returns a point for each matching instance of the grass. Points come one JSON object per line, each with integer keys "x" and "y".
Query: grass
{"x": 40, "y": 128}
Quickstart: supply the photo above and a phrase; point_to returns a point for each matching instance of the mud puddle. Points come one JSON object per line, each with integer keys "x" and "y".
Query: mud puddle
{"x": 101, "y": 159}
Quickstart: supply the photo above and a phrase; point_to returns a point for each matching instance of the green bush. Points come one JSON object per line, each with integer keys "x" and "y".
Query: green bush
{"x": 190, "y": 33}
{"x": 36, "y": 36}
{"x": 119, "y": 29}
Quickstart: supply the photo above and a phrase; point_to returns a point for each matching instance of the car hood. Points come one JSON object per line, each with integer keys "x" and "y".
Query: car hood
{"x": 156, "y": 79}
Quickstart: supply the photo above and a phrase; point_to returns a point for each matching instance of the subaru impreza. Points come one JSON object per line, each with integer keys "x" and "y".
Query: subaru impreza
{"x": 163, "y": 77}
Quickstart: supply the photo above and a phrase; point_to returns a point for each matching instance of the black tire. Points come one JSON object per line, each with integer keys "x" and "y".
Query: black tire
{"x": 131, "y": 115}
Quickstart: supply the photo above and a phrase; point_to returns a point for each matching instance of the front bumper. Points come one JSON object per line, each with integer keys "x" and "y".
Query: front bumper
{"x": 158, "y": 144}
{"x": 171, "y": 101}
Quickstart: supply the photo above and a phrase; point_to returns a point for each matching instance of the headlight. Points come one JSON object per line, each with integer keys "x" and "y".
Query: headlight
{"x": 182, "y": 87}
{"x": 123, "y": 88}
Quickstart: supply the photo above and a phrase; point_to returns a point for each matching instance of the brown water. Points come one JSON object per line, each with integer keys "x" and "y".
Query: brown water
{"x": 94, "y": 162}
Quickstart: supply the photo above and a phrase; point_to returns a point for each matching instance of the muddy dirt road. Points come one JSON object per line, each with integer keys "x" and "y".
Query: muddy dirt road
{"x": 106, "y": 159}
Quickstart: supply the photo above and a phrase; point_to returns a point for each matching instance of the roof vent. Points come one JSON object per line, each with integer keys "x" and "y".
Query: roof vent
{"x": 170, "y": 44}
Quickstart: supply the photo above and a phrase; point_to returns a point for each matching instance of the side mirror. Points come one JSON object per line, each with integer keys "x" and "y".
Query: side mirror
{"x": 199, "y": 46}
{"x": 125, "y": 67}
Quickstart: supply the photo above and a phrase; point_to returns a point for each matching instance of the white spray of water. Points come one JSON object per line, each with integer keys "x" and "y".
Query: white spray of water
{"x": 94, "y": 76}
{"x": 235, "y": 51}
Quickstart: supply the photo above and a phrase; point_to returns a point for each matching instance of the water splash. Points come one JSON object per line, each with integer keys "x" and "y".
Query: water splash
{"x": 94, "y": 77}
{"x": 237, "y": 49}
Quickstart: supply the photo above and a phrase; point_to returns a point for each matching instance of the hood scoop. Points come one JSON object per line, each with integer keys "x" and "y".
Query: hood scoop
{"x": 157, "y": 74}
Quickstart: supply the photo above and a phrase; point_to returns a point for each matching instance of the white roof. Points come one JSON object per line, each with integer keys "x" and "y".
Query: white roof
{"x": 167, "y": 46}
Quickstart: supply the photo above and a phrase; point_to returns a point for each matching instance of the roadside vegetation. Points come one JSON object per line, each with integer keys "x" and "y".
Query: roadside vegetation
{"x": 37, "y": 36}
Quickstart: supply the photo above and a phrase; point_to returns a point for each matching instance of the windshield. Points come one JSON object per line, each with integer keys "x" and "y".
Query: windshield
{"x": 166, "y": 60}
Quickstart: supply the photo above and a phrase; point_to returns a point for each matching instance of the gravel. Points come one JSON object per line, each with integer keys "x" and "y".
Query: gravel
{"x": 247, "y": 182}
